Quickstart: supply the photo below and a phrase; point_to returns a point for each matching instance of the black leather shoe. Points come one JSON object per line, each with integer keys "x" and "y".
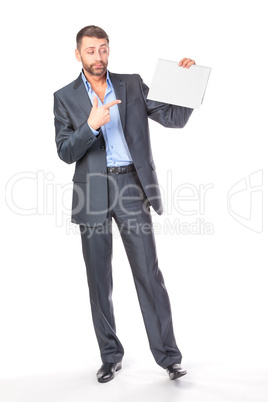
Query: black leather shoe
{"x": 107, "y": 370}
{"x": 175, "y": 371}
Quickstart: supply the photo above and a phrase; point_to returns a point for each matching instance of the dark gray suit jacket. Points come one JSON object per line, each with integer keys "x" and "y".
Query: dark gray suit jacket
{"x": 76, "y": 142}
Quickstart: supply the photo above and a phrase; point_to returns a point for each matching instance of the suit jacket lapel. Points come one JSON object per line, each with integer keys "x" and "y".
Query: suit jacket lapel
{"x": 81, "y": 95}
{"x": 120, "y": 93}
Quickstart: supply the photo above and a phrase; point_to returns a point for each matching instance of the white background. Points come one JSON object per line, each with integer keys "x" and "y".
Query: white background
{"x": 216, "y": 282}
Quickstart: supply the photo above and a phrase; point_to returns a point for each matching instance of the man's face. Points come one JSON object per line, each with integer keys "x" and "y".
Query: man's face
{"x": 94, "y": 55}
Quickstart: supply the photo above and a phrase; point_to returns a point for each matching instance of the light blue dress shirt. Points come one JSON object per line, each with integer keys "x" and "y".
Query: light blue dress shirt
{"x": 117, "y": 152}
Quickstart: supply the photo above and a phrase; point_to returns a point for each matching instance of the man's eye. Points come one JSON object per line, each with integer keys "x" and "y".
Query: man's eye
{"x": 90, "y": 52}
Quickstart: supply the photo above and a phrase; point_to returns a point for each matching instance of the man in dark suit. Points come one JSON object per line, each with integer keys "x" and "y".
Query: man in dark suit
{"x": 101, "y": 122}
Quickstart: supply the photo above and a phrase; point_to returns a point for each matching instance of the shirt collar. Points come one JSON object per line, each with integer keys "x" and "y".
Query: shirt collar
{"x": 87, "y": 84}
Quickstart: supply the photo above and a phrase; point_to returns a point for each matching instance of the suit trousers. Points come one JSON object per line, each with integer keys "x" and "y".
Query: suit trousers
{"x": 129, "y": 208}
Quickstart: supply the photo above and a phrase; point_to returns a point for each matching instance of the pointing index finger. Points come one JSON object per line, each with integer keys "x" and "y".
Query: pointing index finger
{"x": 110, "y": 104}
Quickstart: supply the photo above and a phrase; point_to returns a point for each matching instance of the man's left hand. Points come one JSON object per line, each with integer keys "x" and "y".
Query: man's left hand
{"x": 186, "y": 63}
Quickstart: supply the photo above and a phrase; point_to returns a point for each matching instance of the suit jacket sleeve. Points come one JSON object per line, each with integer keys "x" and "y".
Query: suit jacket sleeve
{"x": 72, "y": 143}
{"x": 168, "y": 115}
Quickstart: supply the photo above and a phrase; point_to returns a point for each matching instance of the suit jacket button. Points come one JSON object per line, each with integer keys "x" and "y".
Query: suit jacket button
{"x": 102, "y": 147}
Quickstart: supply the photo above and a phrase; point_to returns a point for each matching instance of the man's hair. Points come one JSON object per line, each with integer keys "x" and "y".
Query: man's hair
{"x": 92, "y": 31}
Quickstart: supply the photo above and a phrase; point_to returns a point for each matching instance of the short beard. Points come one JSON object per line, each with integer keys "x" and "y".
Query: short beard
{"x": 91, "y": 69}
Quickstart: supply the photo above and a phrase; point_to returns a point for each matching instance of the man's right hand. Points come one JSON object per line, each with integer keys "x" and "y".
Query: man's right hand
{"x": 100, "y": 115}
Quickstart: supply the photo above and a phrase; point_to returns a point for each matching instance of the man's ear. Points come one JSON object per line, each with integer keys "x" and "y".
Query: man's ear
{"x": 77, "y": 55}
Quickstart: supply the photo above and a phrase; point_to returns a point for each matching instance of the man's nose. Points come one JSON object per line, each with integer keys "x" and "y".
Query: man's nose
{"x": 98, "y": 56}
